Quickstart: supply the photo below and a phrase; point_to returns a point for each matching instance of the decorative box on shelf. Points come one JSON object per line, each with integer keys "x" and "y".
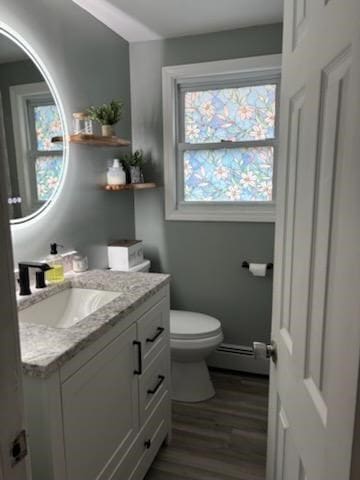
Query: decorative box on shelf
{"x": 124, "y": 254}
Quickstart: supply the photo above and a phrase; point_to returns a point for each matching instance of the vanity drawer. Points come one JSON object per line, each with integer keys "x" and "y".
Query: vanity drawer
{"x": 142, "y": 453}
{"x": 151, "y": 438}
{"x": 153, "y": 383}
{"x": 153, "y": 330}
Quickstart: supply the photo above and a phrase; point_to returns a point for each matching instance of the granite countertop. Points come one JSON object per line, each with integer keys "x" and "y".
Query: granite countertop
{"x": 45, "y": 349}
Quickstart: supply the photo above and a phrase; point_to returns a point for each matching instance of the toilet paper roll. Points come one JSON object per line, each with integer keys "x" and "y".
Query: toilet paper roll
{"x": 258, "y": 269}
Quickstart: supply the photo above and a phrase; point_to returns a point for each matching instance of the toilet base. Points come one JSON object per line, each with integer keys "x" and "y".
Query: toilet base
{"x": 191, "y": 381}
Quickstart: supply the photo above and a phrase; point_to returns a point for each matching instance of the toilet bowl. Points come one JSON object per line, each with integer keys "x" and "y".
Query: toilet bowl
{"x": 193, "y": 336}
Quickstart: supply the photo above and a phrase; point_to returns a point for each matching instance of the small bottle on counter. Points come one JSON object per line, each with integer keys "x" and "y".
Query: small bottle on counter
{"x": 55, "y": 260}
{"x": 116, "y": 174}
{"x": 79, "y": 263}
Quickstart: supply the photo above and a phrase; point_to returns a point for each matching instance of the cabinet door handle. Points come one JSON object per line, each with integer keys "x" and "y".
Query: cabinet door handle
{"x": 147, "y": 444}
{"x": 151, "y": 391}
{"x": 159, "y": 331}
{"x": 139, "y": 370}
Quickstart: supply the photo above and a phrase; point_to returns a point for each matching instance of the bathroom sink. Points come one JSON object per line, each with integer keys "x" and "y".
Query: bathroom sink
{"x": 66, "y": 308}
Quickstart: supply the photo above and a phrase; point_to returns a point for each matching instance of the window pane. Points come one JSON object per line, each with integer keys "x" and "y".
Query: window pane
{"x": 47, "y": 125}
{"x": 235, "y": 114}
{"x": 227, "y": 175}
{"x": 48, "y": 172}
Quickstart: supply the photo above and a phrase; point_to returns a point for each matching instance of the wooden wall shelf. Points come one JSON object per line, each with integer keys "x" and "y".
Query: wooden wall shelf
{"x": 130, "y": 186}
{"x": 95, "y": 140}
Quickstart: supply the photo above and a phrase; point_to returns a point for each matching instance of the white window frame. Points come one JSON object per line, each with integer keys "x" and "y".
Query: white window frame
{"x": 252, "y": 68}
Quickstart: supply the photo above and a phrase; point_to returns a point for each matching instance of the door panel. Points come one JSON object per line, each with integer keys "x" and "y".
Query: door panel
{"x": 100, "y": 410}
{"x": 333, "y": 108}
{"x": 317, "y": 254}
{"x": 300, "y": 11}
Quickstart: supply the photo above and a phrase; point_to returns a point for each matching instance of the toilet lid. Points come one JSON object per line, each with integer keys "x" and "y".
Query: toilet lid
{"x": 190, "y": 325}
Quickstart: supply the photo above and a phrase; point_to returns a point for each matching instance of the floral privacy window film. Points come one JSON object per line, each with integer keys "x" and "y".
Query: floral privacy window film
{"x": 48, "y": 172}
{"x": 232, "y": 114}
{"x": 47, "y": 125}
{"x": 228, "y": 175}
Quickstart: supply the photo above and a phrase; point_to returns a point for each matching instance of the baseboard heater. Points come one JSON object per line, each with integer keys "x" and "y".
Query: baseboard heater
{"x": 238, "y": 357}
{"x": 235, "y": 349}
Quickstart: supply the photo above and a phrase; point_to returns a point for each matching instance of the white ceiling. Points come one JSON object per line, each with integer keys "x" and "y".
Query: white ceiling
{"x": 10, "y": 52}
{"x": 141, "y": 20}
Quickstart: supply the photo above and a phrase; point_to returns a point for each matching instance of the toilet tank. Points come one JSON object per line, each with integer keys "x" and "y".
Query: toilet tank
{"x": 141, "y": 267}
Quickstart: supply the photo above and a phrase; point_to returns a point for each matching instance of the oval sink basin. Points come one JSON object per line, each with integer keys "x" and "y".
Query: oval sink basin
{"x": 66, "y": 308}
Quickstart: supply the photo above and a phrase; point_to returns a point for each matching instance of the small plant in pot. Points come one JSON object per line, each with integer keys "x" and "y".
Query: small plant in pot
{"x": 107, "y": 115}
{"x": 134, "y": 162}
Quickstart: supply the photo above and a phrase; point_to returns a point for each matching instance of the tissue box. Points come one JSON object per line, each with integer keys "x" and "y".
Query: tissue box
{"x": 124, "y": 254}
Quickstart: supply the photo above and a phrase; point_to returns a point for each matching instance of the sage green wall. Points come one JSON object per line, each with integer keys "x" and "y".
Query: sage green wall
{"x": 89, "y": 65}
{"x": 204, "y": 258}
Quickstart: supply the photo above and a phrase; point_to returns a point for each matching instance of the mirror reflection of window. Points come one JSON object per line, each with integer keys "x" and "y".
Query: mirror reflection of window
{"x": 46, "y": 158}
{"x": 29, "y": 119}
{"x": 39, "y": 161}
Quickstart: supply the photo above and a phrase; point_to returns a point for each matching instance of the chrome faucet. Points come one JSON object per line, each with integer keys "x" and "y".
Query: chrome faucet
{"x": 24, "y": 279}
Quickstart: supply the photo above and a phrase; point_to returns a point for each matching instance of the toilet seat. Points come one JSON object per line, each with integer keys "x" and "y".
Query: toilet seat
{"x": 193, "y": 325}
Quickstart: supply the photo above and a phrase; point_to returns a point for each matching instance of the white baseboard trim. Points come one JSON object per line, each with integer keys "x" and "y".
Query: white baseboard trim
{"x": 237, "y": 357}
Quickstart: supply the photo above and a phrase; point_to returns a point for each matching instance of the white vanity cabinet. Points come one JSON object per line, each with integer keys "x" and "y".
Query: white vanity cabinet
{"x": 100, "y": 410}
{"x": 105, "y": 413}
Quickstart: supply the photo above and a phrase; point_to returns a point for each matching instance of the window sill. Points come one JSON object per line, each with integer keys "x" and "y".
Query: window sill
{"x": 222, "y": 213}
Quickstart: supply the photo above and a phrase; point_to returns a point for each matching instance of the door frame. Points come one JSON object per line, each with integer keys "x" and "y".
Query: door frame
{"x": 11, "y": 391}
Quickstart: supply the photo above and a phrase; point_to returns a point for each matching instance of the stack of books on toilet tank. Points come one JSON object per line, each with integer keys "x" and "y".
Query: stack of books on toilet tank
{"x": 127, "y": 256}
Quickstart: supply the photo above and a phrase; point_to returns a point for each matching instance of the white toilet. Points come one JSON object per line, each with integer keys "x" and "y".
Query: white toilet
{"x": 193, "y": 337}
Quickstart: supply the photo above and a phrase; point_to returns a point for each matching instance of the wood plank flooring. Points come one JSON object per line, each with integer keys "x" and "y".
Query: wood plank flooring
{"x": 221, "y": 439}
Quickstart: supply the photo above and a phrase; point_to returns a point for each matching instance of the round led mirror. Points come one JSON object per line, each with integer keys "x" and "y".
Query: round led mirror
{"x": 30, "y": 119}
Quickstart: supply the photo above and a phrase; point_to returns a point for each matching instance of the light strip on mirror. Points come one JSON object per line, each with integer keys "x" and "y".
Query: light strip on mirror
{"x": 21, "y": 43}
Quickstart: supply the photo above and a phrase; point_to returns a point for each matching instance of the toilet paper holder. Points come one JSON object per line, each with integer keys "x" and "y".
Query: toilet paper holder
{"x": 269, "y": 266}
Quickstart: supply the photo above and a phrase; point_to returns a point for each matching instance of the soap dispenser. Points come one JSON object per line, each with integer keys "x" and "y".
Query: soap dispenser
{"x": 56, "y": 274}
{"x": 116, "y": 174}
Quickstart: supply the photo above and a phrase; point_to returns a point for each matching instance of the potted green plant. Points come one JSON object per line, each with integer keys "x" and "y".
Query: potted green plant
{"x": 107, "y": 115}
{"x": 134, "y": 162}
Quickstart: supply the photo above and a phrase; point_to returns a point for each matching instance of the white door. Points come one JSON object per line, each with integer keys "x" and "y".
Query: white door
{"x": 316, "y": 313}
{"x": 11, "y": 400}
